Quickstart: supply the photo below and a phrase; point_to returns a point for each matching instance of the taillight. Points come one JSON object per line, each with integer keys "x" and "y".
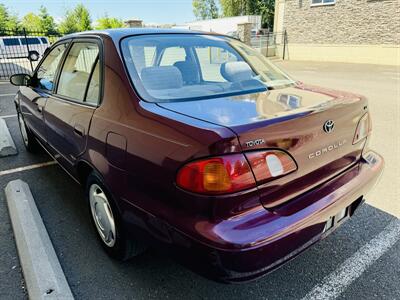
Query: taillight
{"x": 270, "y": 164}
{"x": 363, "y": 128}
{"x": 217, "y": 175}
{"x": 232, "y": 173}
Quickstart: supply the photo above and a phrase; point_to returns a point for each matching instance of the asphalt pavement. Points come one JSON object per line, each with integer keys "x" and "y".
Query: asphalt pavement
{"x": 93, "y": 275}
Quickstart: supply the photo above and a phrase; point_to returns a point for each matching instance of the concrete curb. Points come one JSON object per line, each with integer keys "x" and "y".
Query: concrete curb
{"x": 43, "y": 274}
{"x": 7, "y": 146}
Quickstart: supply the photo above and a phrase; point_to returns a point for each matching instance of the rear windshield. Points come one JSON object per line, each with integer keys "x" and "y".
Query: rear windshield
{"x": 184, "y": 67}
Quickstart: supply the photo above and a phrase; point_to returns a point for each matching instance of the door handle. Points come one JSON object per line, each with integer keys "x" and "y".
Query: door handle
{"x": 79, "y": 130}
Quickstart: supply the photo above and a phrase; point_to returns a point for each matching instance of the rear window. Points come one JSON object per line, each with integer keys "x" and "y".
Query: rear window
{"x": 30, "y": 41}
{"x": 11, "y": 42}
{"x": 184, "y": 67}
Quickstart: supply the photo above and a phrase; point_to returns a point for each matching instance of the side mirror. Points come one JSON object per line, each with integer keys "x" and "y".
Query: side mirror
{"x": 20, "y": 79}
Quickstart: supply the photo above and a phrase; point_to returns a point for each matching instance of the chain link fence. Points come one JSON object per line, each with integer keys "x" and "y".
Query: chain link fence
{"x": 267, "y": 42}
{"x": 21, "y": 50}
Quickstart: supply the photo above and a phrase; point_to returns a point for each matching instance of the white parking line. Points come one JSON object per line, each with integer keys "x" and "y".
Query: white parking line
{"x": 7, "y": 116}
{"x": 335, "y": 283}
{"x": 26, "y": 168}
{"x": 7, "y": 95}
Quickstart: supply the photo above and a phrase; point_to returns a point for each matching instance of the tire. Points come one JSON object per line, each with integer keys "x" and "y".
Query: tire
{"x": 107, "y": 222}
{"x": 29, "y": 140}
{"x": 33, "y": 56}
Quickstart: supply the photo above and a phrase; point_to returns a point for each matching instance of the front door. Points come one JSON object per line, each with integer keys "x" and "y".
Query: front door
{"x": 34, "y": 98}
{"x": 69, "y": 111}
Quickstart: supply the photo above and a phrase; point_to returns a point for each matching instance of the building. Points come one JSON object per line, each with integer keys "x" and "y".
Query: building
{"x": 223, "y": 25}
{"x": 362, "y": 31}
{"x": 133, "y": 23}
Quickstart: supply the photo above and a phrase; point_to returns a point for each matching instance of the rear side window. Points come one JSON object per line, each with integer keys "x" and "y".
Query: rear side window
{"x": 11, "y": 42}
{"x": 210, "y": 60}
{"x": 144, "y": 56}
{"x": 44, "y": 41}
{"x": 30, "y": 41}
{"x": 93, "y": 93}
{"x": 76, "y": 71}
{"x": 47, "y": 70}
{"x": 172, "y": 55}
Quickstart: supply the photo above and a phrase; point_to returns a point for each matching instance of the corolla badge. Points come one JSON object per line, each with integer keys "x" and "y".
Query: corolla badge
{"x": 327, "y": 149}
{"x": 328, "y": 126}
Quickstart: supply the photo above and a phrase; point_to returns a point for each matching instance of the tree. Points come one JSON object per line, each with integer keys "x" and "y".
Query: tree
{"x": 82, "y": 17}
{"x": 265, "y": 8}
{"x": 232, "y": 8}
{"x": 76, "y": 20}
{"x": 68, "y": 25}
{"x": 107, "y": 22}
{"x": 205, "y": 9}
{"x": 31, "y": 22}
{"x": 47, "y": 23}
{"x": 7, "y": 20}
{"x": 42, "y": 22}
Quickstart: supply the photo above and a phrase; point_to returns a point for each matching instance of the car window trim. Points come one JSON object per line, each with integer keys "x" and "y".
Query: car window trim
{"x": 100, "y": 58}
{"x": 90, "y": 79}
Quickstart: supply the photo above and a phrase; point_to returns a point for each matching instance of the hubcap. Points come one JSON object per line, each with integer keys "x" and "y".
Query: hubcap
{"x": 24, "y": 132}
{"x": 102, "y": 214}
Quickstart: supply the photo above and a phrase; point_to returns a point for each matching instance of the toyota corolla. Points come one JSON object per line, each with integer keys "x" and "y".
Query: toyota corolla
{"x": 197, "y": 144}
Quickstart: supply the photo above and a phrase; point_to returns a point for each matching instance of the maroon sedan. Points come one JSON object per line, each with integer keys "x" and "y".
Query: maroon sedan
{"x": 197, "y": 144}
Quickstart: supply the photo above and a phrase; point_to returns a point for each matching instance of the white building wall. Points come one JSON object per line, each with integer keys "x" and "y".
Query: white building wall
{"x": 223, "y": 25}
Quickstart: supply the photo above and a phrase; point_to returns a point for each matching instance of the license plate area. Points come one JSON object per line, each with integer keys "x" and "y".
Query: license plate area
{"x": 336, "y": 219}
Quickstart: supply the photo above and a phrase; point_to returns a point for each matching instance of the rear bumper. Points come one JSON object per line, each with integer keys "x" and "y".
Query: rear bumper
{"x": 251, "y": 244}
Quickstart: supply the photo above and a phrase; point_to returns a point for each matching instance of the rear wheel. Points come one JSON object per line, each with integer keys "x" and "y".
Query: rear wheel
{"x": 28, "y": 138}
{"x": 107, "y": 221}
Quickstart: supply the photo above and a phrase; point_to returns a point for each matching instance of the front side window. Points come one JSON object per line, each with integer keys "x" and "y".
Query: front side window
{"x": 75, "y": 73}
{"x": 47, "y": 70}
{"x": 192, "y": 67}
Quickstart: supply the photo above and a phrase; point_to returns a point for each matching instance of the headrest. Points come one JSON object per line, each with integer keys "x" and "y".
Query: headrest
{"x": 236, "y": 71}
{"x": 161, "y": 78}
{"x": 189, "y": 71}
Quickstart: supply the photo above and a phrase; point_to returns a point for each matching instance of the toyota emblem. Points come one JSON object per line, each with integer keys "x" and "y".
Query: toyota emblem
{"x": 328, "y": 126}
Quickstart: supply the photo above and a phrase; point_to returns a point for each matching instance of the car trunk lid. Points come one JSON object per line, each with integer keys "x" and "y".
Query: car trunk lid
{"x": 292, "y": 119}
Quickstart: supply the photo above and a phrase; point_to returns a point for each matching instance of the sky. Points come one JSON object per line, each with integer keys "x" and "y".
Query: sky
{"x": 150, "y": 11}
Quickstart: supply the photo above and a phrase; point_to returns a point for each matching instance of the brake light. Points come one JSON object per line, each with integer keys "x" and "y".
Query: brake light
{"x": 363, "y": 129}
{"x": 269, "y": 164}
{"x": 217, "y": 175}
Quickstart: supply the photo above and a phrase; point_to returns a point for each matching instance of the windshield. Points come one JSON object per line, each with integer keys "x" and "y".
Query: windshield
{"x": 184, "y": 67}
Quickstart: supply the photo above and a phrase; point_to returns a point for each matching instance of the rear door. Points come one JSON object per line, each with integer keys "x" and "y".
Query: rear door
{"x": 69, "y": 111}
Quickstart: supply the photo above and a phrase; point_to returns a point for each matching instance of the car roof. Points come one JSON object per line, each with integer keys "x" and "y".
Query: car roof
{"x": 21, "y": 36}
{"x": 119, "y": 33}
